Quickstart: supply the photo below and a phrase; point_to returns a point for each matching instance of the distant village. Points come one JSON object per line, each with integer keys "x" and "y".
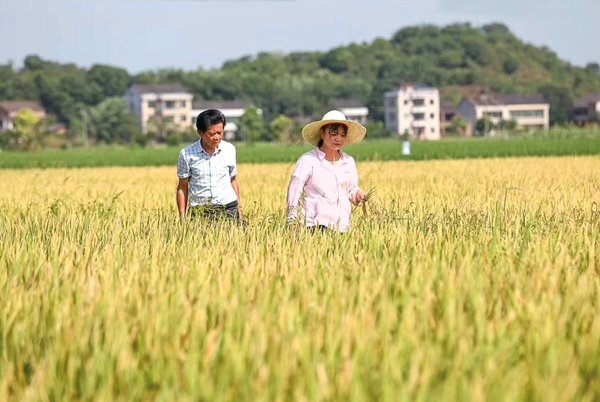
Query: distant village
{"x": 412, "y": 110}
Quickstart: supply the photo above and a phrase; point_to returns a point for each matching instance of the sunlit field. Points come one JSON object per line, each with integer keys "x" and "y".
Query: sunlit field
{"x": 462, "y": 280}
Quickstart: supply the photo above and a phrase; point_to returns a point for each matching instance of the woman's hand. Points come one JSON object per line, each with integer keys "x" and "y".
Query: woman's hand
{"x": 358, "y": 197}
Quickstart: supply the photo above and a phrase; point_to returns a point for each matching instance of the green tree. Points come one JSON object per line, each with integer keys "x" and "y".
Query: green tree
{"x": 484, "y": 125}
{"x": 458, "y": 126}
{"x": 113, "y": 81}
{"x": 109, "y": 122}
{"x": 27, "y": 124}
{"x": 559, "y": 99}
{"x": 160, "y": 128}
{"x": 510, "y": 65}
{"x": 508, "y": 125}
{"x": 282, "y": 128}
{"x": 251, "y": 124}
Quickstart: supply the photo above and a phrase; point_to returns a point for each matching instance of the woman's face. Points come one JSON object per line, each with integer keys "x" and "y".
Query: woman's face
{"x": 333, "y": 136}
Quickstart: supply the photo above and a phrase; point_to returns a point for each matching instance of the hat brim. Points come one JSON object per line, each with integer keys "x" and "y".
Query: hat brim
{"x": 355, "y": 133}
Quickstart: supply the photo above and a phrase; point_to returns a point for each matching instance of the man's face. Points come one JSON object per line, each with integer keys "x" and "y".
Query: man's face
{"x": 213, "y": 135}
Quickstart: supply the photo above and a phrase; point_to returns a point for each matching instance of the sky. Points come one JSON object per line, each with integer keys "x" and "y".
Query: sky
{"x": 142, "y": 35}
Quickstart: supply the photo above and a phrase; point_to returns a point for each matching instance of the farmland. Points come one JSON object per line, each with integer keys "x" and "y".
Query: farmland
{"x": 473, "y": 279}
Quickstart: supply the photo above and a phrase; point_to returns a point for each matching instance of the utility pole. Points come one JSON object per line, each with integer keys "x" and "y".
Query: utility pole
{"x": 84, "y": 125}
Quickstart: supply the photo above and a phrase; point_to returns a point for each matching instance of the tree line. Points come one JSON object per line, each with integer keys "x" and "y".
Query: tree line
{"x": 457, "y": 58}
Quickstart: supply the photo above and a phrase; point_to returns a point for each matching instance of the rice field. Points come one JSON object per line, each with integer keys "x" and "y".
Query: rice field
{"x": 464, "y": 280}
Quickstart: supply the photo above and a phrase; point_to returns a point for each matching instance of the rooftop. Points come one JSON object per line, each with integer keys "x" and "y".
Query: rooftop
{"x": 344, "y": 103}
{"x": 160, "y": 88}
{"x": 587, "y": 99}
{"x": 499, "y": 100}
{"x": 15, "y": 106}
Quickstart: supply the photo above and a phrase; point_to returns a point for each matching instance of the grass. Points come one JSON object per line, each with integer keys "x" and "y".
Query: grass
{"x": 382, "y": 150}
{"x": 468, "y": 280}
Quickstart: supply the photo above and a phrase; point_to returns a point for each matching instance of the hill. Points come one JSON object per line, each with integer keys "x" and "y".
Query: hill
{"x": 457, "y": 58}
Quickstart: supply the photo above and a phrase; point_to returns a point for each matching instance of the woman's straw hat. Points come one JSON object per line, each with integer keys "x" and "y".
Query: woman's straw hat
{"x": 356, "y": 132}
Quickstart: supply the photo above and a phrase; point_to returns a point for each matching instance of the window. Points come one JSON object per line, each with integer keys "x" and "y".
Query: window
{"x": 419, "y": 102}
{"x": 431, "y": 102}
{"x": 432, "y": 130}
{"x": 497, "y": 115}
{"x": 182, "y": 118}
{"x": 152, "y": 104}
{"x": 515, "y": 114}
{"x": 169, "y": 104}
{"x": 431, "y": 115}
{"x": 182, "y": 104}
{"x": 406, "y": 102}
{"x": 419, "y": 116}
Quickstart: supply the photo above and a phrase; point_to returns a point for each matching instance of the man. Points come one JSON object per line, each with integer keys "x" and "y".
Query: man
{"x": 207, "y": 172}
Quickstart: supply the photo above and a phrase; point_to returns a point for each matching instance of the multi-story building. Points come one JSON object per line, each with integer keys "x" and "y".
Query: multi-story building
{"x": 352, "y": 108}
{"x": 530, "y": 112}
{"x": 9, "y": 110}
{"x": 170, "y": 102}
{"x": 586, "y": 109}
{"x": 413, "y": 109}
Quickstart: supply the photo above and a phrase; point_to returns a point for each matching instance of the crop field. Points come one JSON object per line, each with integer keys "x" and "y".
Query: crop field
{"x": 465, "y": 280}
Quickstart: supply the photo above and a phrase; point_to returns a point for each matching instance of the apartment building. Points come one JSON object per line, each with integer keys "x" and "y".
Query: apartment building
{"x": 531, "y": 112}
{"x": 171, "y": 102}
{"x": 586, "y": 109}
{"x": 352, "y": 108}
{"x": 413, "y": 109}
{"x": 9, "y": 110}
{"x": 232, "y": 110}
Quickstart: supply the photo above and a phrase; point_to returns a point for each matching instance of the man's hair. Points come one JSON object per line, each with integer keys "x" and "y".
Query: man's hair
{"x": 208, "y": 118}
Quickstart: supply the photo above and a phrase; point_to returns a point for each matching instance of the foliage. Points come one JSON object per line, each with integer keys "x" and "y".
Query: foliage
{"x": 484, "y": 125}
{"x": 302, "y": 84}
{"x": 113, "y": 81}
{"x": 109, "y": 122}
{"x": 559, "y": 99}
{"x": 282, "y": 128}
{"x": 251, "y": 125}
{"x": 458, "y": 126}
{"x": 509, "y": 125}
{"x": 377, "y": 130}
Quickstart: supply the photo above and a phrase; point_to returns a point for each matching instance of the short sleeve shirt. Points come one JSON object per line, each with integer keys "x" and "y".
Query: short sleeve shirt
{"x": 210, "y": 175}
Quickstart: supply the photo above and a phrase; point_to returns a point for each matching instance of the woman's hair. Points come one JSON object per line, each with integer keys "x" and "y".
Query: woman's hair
{"x": 332, "y": 128}
{"x": 208, "y": 118}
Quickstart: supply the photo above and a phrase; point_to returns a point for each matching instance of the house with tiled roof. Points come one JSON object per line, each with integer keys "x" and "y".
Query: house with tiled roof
{"x": 530, "y": 112}
{"x": 9, "y": 109}
{"x": 352, "y": 108}
{"x": 171, "y": 102}
{"x": 586, "y": 109}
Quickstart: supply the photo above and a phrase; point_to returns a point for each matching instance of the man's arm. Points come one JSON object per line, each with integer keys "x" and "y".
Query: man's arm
{"x": 182, "y": 196}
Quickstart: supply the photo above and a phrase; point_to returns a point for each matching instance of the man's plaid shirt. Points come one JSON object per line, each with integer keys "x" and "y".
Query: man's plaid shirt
{"x": 210, "y": 175}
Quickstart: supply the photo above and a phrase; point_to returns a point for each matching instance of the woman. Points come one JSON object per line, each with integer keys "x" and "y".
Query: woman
{"x": 325, "y": 181}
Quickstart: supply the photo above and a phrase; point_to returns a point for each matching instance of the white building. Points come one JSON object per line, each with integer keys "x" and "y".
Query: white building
{"x": 352, "y": 108}
{"x": 530, "y": 112}
{"x": 413, "y": 109}
{"x": 171, "y": 102}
